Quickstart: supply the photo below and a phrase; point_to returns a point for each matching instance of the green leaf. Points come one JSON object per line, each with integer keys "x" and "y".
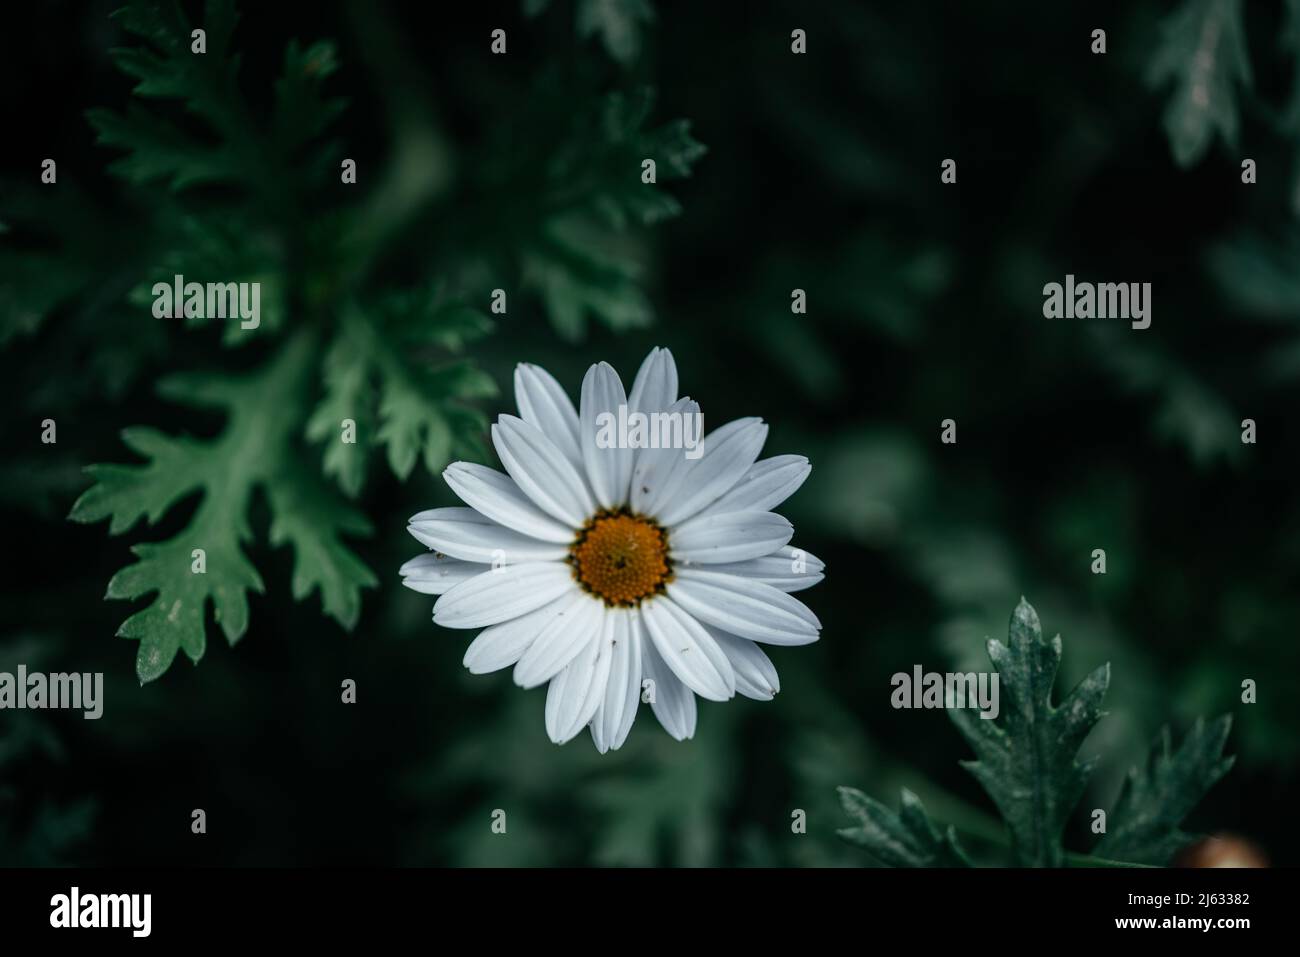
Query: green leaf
{"x": 583, "y": 257}
{"x": 301, "y": 112}
{"x": 578, "y": 275}
{"x": 226, "y": 148}
{"x": 613, "y": 165}
{"x": 411, "y": 426}
{"x": 203, "y": 248}
{"x": 1203, "y": 52}
{"x": 159, "y": 151}
{"x": 309, "y": 516}
{"x": 166, "y": 68}
{"x": 1027, "y": 756}
{"x": 1144, "y": 826}
{"x": 906, "y": 838}
{"x": 395, "y": 354}
{"x": 349, "y": 395}
{"x": 254, "y": 450}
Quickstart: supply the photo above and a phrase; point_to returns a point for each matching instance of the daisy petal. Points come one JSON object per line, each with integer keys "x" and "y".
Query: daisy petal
{"x": 689, "y": 650}
{"x": 543, "y": 402}
{"x": 788, "y": 568}
{"x": 502, "y": 645}
{"x": 498, "y": 497}
{"x": 465, "y": 534}
{"x": 576, "y": 692}
{"x": 755, "y": 674}
{"x": 744, "y": 607}
{"x": 504, "y": 593}
{"x": 729, "y": 537}
{"x": 728, "y": 454}
{"x": 670, "y": 700}
{"x": 767, "y": 484}
{"x": 652, "y": 469}
{"x": 560, "y": 641}
{"x": 609, "y": 466}
{"x": 434, "y": 574}
{"x": 655, "y": 387}
{"x": 613, "y": 718}
{"x": 541, "y": 471}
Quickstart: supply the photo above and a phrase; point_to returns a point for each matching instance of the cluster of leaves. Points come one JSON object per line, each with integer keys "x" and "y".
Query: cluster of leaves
{"x": 342, "y": 360}
{"x": 1027, "y": 762}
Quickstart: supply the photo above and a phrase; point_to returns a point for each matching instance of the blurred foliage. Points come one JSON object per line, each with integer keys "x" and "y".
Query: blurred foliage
{"x": 522, "y": 173}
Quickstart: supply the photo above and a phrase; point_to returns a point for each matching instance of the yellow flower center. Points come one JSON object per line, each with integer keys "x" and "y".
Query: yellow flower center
{"x": 621, "y": 558}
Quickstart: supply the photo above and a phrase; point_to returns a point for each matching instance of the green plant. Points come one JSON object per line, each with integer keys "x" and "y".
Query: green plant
{"x": 1027, "y": 762}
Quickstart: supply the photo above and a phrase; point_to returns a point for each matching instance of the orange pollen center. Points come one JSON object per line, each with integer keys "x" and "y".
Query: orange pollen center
{"x": 621, "y": 558}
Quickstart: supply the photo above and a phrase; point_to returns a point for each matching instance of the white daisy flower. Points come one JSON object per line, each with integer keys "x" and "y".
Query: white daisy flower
{"x": 617, "y": 573}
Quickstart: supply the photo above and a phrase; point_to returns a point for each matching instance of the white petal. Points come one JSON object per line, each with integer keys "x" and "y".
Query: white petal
{"x": 609, "y": 466}
{"x": 652, "y": 469}
{"x": 542, "y": 471}
{"x": 729, "y": 537}
{"x": 670, "y": 700}
{"x": 433, "y": 574}
{"x": 655, "y": 388}
{"x": 755, "y": 674}
{"x": 788, "y": 568}
{"x": 613, "y": 718}
{"x": 689, "y": 650}
{"x": 465, "y": 534}
{"x": 699, "y": 482}
{"x": 498, "y": 497}
{"x": 744, "y": 607}
{"x": 503, "y": 593}
{"x": 502, "y": 645}
{"x": 560, "y": 641}
{"x": 576, "y": 692}
{"x": 543, "y": 402}
{"x": 767, "y": 484}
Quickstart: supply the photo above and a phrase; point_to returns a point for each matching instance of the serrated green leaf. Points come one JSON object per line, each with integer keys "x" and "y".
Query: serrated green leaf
{"x": 254, "y": 450}
{"x": 421, "y": 414}
{"x": 583, "y": 257}
{"x": 349, "y": 396}
{"x": 1027, "y": 756}
{"x": 126, "y": 493}
{"x": 579, "y": 275}
{"x": 175, "y": 619}
{"x": 310, "y": 518}
{"x": 159, "y": 151}
{"x": 167, "y": 69}
{"x": 206, "y": 248}
{"x": 1202, "y": 51}
{"x": 615, "y": 164}
{"x": 906, "y": 838}
{"x": 411, "y": 425}
{"x": 301, "y": 112}
{"x": 1144, "y": 826}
